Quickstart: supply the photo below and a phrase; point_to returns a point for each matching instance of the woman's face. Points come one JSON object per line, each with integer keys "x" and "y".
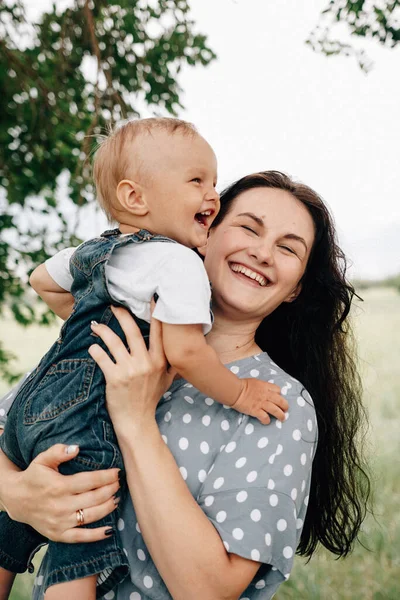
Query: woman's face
{"x": 256, "y": 257}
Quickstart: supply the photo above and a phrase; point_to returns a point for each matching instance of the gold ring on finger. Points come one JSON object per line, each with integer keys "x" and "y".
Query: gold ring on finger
{"x": 80, "y": 517}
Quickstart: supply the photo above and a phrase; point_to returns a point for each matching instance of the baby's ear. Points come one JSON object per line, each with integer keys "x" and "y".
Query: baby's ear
{"x": 131, "y": 198}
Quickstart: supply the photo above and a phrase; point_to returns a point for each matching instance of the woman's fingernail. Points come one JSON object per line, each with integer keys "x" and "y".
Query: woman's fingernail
{"x": 71, "y": 449}
{"x": 93, "y": 323}
{"x": 110, "y": 531}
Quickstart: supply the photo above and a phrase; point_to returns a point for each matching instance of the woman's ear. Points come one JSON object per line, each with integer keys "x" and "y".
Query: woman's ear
{"x": 294, "y": 294}
{"x": 131, "y": 198}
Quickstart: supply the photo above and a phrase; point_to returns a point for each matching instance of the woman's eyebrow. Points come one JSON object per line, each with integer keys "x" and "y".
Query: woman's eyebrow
{"x": 258, "y": 220}
{"x": 296, "y": 238}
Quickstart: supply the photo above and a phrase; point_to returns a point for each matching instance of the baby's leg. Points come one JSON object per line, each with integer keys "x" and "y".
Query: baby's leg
{"x": 6, "y": 582}
{"x": 79, "y": 588}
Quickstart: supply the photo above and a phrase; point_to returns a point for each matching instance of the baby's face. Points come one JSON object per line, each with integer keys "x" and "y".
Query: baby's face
{"x": 180, "y": 186}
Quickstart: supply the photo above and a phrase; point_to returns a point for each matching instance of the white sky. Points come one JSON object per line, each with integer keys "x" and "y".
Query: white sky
{"x": 269, "y": 102}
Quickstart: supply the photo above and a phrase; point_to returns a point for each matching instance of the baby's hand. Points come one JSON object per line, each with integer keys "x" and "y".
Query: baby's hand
{"x": 260, "y": 399}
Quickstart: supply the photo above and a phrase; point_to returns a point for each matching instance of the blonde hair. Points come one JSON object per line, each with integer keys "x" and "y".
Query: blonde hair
{"x": 113, "y": 161}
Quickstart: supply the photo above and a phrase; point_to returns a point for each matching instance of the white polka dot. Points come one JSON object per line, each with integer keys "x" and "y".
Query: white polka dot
{"x": 273, "y": 500}
{"x": 296, "y": 435}
{"x": 271, "y": 459}
{"x": 206, "y": 420}
{"x": 262, "y": 442}
{"x": 230, "y": 447}
{"x": 183, "y": 443}
{"x": 109, "y": 595}
{"x": 141, "y": 555}
{"x": 279, "y": 449}
{"x": 137, "y": 527}
{"x": 238, "y": 533}
{"x": 189, "y": 399}
{"x": 135, "y": 596}
{"x": 309, "y": 425}
{"x": 306, "y": 500}
{"x": 219, "y": 482}
{"x": 249, "y": 428}
{"x": 241, "y": 496}
{"x": 288, "y": 470}
{"x": 221, "y": 516}
{"x": 301, "y": 401}
{"x": 254, "y": 373}
{"x": 209, "y": 401}
{"x": 252, "y": 476}
{"x": 167, "y": 395}
{"x": 235, "y": 369}
{"x": 2, "y": 412}
{"x": 240, "y": 462}
{"x": 164, "y": 437}
{"x": 240, "y": 419}
{"x": 187, "y": 418}
{"x": 184, "y": 472}
{"x": 148, "y": 582}
{"x": 255, "y": 515}
{"x": 268, "y": 539}
{"x": 255, "y": 555}
{"x": 303, "y": 485}
{"x": 204, "y": 447}
{"x": 188, "y": 385}
{"x": 299, "y": 523}
{"x": 281, "y": 525}
{"x": 226, "y": 546}
{"x": 225, "y": 407}
{"x": 225, "y": 425}
{"x": 125, "y": 551}
{"x": 271, "y": 484}
{"x": 278, "y": 424}
{"x": 209, "y": 500}
{"x": 167, "y": 417}
{"x": 287, "y": 415}
{"x": 260, "y": 584}
{"x": 288, "y": 552}
{"x": 273, "y": 372}
{"x": 303, "y": 458}
{"x": 293, "y": 494}
{"x": 120, "y": 524}
{"x": 202, "y": 475}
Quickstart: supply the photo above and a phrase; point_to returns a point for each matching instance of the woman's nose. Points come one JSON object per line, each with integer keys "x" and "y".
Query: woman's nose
{"x": 262, "y": 251}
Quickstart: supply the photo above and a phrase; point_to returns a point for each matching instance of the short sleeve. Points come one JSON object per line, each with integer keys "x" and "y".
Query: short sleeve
{"x": 183, "y": 289}
{"x": 7, "y": 400}
{"x": 58, "y": 268}
{"x": 256, "y": 493}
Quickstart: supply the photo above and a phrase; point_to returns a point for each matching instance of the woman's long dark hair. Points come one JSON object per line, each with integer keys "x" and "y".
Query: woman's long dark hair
{"x": 312, "y": 340}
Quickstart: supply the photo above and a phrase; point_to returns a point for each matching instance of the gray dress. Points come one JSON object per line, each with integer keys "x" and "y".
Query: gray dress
{"x": 251, "y": 480}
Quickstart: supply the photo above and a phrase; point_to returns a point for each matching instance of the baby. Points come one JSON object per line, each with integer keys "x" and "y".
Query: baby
{"x": 156, "y": 178}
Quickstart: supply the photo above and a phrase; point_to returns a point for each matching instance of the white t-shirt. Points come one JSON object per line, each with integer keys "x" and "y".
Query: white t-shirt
{"x": 136, "y": 272}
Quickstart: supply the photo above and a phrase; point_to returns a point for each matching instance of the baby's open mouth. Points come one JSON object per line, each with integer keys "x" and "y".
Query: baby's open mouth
{"x": 203, "y": 217}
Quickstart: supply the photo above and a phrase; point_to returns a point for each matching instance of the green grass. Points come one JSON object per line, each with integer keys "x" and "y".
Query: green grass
{"x": 372, "y": 574}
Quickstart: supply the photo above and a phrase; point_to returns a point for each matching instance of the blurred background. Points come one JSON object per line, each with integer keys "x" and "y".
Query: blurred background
{"x": 307, "y": 87}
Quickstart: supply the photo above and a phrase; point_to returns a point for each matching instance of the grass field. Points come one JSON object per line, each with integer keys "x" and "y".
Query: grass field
{"x": 372, "y": 574}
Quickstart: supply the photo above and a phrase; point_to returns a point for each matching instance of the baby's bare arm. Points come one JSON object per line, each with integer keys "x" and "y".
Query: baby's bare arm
{"x": 187, "y": 351}
{"x": 60, "y": 301}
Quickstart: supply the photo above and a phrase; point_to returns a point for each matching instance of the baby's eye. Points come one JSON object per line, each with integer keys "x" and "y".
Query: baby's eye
{"x": 196, "y": 179}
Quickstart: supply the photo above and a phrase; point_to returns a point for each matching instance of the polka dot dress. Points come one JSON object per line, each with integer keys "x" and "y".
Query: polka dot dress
{"x": 251, "y": 480}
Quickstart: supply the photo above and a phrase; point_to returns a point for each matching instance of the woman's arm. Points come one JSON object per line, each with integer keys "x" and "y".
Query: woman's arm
{"x": 169, "y": 516}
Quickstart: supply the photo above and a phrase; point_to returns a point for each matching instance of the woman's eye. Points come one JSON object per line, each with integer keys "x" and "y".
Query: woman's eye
{"x": 248, "y": 229}
{"x": 288, "y": 249}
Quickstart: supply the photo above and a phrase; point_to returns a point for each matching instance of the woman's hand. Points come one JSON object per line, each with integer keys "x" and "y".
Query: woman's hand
{"x": 137, "y": 379}
{"x": 43, "y": 498}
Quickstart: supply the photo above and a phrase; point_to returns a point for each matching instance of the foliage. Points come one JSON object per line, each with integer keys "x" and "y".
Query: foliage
{"x": 374, "y": 19}
{"x": 388, "y": 282}
{"x": 63, "y": 80}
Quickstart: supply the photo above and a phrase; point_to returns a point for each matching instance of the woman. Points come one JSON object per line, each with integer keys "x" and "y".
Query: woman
{"x": 219, "y": 500}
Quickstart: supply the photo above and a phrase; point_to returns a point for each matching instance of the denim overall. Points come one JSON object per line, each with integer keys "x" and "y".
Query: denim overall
{"x": 63, "y": 402}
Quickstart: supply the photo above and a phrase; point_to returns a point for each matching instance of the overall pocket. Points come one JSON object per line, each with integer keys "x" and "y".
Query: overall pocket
{"x": 66, "y": 384}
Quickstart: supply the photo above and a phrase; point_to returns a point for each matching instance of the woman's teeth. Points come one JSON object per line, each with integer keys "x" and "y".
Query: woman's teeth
{"x": 249, "y": 273}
